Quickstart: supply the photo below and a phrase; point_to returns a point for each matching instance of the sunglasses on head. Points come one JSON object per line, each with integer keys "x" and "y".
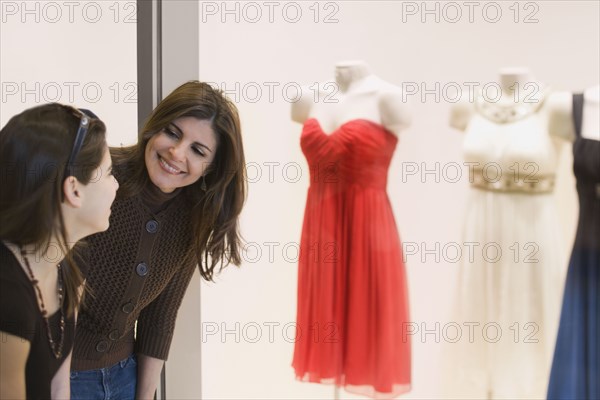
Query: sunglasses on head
{"x": 84, "y": 123}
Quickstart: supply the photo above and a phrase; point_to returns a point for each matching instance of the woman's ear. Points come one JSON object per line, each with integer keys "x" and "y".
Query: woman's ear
{"x": 72, "y": 192}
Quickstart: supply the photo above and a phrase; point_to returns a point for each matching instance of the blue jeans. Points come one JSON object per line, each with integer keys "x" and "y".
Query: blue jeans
{"x": 117, "y": 382}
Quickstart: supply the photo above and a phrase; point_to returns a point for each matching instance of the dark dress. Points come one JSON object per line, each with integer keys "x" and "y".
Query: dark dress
{"x": 575, "y": 369}
{"x": 20, "y": 316}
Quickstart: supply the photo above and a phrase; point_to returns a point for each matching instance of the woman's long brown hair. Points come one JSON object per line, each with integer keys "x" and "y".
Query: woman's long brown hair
{"x": 34, "y": 148}
{"x": 215, "y": 211}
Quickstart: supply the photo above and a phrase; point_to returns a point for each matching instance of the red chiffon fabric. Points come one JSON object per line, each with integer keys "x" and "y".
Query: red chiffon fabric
{"x": 352, "y": 315}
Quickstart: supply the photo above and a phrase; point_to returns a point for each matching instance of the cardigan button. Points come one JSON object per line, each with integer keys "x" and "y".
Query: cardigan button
{"x": 102, "y": 346}
{"x": 127, "y": 308}
{"x": 141, "y": 269}
{"x": 151, "y": 226}
{"x": 113, "y": 335}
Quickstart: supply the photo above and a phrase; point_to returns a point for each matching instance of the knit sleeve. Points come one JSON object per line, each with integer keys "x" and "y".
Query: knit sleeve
{"x": 156, "y": 322}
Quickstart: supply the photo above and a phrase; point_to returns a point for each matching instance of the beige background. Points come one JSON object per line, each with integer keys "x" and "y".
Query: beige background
{"x": 561, "y": 49}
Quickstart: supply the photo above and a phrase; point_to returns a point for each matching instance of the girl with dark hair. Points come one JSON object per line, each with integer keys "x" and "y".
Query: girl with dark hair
{"x": 57, "y": 188}
{"x": 182, "y": 191}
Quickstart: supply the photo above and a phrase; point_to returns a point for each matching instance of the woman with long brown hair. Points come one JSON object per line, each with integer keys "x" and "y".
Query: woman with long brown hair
{"x": 57, "y": 188}
{"x": 182, "y": 190}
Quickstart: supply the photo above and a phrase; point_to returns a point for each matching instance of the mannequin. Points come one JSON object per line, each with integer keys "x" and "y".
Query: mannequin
{"x": 576, "y": 361}
{"x": 357, "y": 280}
{"x": 513, "y": 141}
{"x": 557, "y": 105}
{"x": 590, "y": 128}
{"x": 356, "y": 94}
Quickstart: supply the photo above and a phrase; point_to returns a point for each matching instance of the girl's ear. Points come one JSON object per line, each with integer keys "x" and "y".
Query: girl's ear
{"x": 73, "y": 195}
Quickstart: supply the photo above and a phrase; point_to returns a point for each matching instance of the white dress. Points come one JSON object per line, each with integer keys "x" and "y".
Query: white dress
{"x": 509, "y": 285}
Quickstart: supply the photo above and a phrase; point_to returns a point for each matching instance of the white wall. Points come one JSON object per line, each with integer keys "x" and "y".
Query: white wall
{"x": 561, "y": 49}
{"x": 81, "y": 53}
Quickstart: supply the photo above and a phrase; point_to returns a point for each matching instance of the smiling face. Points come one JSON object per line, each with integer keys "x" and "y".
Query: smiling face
{"x": 180, "y": 154}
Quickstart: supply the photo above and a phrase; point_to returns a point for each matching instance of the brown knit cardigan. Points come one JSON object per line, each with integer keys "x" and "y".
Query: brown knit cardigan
{"x": 137, "y": 272}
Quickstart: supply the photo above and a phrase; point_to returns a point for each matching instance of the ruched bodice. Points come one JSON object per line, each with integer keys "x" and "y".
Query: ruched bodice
{"x": 359, "y": 152}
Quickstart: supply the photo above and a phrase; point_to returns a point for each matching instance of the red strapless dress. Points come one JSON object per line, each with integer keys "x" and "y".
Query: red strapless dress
{"x": 352, "y": 314}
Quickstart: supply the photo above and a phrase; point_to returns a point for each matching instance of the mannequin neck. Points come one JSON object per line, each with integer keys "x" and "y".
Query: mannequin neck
{"x": 520, "y": 97}
{"x": 513, "y": 79}
{"x": 349, "y": 73}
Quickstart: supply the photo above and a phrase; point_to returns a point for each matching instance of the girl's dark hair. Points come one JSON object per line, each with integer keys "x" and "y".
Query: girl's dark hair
{"x": 215, "y": 211}
{"x": 34, "y": 149}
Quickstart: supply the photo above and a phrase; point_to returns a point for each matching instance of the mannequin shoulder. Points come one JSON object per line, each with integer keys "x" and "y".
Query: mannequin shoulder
{"x": 394, "y": 109}
{"x": 301, "y": 105}
{"x": 309, "y": 95}
{"x": 461, "y": 113}
{"x": 559, "y": 112}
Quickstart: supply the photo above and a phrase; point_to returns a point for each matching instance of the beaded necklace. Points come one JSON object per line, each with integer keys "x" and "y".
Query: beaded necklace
{"x": 55, "y": 347}
{"x": 511, "y": 112}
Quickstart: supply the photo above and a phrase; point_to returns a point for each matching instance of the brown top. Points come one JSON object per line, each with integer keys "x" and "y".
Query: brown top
{"x": 20, "y": 315}
{"x": 136, "y": 271}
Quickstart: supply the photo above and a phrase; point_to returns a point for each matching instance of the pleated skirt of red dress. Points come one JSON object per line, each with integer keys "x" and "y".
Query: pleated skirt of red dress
{"x": 352, "y": 312}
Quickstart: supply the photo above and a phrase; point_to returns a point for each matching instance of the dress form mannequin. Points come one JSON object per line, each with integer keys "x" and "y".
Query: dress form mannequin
{"x": 512, "y": 143}
{"x": 355, "y": 94}
{"x": 519, "y": 85}
{"x": 577, "y": 357}
{"x": 590, "y": 128}
{"x": 356, "y": 285}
